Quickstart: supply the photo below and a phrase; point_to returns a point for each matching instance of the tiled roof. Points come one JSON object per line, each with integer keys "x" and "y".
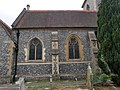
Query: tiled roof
{"x": 41, "y": 19}
{"x": 6, "y": 27}
{"x": 8, "y": 30}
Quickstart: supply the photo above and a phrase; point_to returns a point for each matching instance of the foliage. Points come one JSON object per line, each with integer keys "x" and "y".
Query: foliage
{"x": 100, "y": 78}
{"x": 102, "y": 64}
{"x": 96, "y": 75}
{"x": 103, "y": 77}
{"x": 116, "y": 79}
{"x": 109, "y": 36}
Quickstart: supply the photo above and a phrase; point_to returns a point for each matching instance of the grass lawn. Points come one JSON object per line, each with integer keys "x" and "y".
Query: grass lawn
{"x": 105, "y": 88}
{"x": 72, "y": 87}
{"x": 56, "y": 85}
{"x": 62, "y": 85}
{"x": 38, "y": 88}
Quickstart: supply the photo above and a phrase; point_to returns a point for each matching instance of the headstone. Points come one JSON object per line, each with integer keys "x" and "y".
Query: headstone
{"x": 21, "y": 84}
{"x": 89, "y": 77}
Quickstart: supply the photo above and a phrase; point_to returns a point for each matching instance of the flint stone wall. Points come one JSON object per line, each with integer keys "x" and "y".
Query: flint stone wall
{"x": 44, "y": 35}
{"x": 4, "y": 55}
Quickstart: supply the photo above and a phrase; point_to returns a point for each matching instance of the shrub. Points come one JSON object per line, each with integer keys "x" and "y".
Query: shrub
{"x": 116, "y": 79}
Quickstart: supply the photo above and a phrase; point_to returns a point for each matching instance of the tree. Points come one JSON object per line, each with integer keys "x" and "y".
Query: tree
{"x": 109, "y": 35}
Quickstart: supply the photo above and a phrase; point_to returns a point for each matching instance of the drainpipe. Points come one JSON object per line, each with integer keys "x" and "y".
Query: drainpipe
{"x": 16, "y": 55}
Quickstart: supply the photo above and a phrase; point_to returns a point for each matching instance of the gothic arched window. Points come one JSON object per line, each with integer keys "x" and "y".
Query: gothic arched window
{"x": 73, "y": 48}
{"x": 35, "y": 49}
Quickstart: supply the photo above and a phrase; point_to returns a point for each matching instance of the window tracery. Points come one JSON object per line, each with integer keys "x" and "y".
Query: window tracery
{"x": 35, "y": 49}
{"x": 74, "y": 48}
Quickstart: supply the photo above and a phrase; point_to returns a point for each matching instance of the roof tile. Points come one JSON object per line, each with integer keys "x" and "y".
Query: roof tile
{"x": 40, "y": 19}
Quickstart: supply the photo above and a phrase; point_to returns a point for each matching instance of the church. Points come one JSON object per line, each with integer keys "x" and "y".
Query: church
{"x": 57, "y": 43}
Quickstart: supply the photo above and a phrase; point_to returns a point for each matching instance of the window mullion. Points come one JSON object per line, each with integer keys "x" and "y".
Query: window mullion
{"x": 74, "y": 51}
{"x": 35, "y": 52}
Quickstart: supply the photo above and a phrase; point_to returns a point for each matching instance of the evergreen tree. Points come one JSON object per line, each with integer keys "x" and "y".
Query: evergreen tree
{"x": 109, "y": 35}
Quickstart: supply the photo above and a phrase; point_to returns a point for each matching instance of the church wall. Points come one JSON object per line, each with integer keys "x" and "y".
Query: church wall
{"x": 77, "y": 70}
{"x": 34, "y": 69}
{"x": 45, "y": 37}
{"x": 4, "y": 56}
{"x": 44, "y": 67}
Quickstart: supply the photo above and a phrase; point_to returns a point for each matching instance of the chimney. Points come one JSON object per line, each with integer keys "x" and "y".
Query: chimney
{"x": 28, "y": 7}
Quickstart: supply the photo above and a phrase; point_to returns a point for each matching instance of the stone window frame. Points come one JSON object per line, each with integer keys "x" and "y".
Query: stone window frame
{"x": 28, "y": 48}
{"x": 81, "y": 52}
{"x": 11, "y": 52}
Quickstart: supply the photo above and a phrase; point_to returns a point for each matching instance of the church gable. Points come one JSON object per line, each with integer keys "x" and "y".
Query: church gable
{"x": 5, "y": 28}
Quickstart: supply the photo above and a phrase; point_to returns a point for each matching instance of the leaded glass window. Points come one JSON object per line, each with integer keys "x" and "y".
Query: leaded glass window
{"x": 73, "y": 48}
{"x": 35, "y": 49}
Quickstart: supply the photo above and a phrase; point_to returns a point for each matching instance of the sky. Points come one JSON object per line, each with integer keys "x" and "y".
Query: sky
{"x": 10, "y": 9}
